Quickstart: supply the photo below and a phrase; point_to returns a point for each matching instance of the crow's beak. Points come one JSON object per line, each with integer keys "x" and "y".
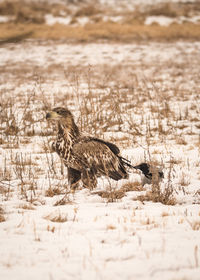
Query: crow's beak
{"x": 136, "y": 167}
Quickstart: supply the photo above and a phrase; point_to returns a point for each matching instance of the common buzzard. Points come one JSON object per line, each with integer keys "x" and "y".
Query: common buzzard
{"x": 85, "y": 157}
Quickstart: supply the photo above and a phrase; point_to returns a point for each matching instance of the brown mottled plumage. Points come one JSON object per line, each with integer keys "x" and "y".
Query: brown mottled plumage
{"x": 85, "y": 157}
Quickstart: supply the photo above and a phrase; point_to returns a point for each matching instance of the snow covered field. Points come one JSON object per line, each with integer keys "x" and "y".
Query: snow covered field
{"x": 143, "y": 97}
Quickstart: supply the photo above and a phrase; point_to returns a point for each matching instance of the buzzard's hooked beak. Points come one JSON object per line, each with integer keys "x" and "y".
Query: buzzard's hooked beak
{"x": 52, "y": 116}
{"x": 48, "y": 115}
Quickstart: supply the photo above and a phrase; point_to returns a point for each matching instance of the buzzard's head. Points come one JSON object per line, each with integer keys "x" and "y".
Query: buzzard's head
{"x": 61, "y": 115}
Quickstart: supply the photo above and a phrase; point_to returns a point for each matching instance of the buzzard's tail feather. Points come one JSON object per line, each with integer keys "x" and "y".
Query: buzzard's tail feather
{"x": 126, "y": 162}
{"x": 115, "y": 175}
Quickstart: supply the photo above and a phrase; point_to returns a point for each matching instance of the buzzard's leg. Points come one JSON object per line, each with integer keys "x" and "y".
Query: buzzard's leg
{"x": 74, "y": 177}
{"x": 89, "y": 179}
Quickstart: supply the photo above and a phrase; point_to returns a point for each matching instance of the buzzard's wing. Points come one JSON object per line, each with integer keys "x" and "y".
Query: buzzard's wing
{"x": 95, "y": 155}
{"x": 111, "y": 146}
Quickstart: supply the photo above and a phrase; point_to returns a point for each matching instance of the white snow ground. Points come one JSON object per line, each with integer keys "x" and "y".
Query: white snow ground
{"x": 93, "y": 238}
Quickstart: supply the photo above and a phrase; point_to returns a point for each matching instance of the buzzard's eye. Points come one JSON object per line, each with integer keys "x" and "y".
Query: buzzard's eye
{"x": 59, "y": 111}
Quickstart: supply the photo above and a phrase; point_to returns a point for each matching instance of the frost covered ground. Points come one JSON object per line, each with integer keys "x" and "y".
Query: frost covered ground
{"x": 143, "y": 97}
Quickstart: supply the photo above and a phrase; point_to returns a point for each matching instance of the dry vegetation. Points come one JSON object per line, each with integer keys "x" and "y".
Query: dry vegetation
{"x": 23, "y": 124}
{"x": 106, "y": 100}
{"x": 144, "y": 97}
{"x": 2, "y": 217}
{"x": 116, "y": 32}
{"x": 28, "y": 21}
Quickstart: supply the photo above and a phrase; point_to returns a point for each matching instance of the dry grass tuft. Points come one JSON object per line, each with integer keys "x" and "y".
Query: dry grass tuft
{"x": 132, "y": 186}
{"x": 57, "y": 217}
{"x": 111, "y": 195}
{"x": 165, "y": 214}
{"x": 181, "y": 141}
{"x": 195, "y": 225}
{"x": 51, "y": 229}
{"x": 171, "y": 9}
{"x": 27, "y": 206}
{"x": 87, "y": 11}
{"x": 55, "y": 190}
{"x": 2, "y": 217}
{"x": 184, "y": 180}
{"x": 30, "y": 12}
{"x": 157, "y": 195}
{"x": 110, "y": 227}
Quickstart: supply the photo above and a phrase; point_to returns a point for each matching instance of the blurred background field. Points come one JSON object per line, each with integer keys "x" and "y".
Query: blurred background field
{"x": 91, "y": 21}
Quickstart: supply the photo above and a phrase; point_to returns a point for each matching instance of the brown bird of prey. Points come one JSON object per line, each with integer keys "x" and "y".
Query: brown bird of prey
{"x": 85, "y": 157}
